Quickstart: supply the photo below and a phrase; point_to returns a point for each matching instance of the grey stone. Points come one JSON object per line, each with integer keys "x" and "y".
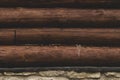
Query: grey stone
{"x": 45, "y": 78}
{"x": 109, "y": 78}
{"x": 51, "y": 73}
{"x": 113, "y": 74}
{"x": 69, "y": 74}
{"x": 20, "y": 74}
{"x": 11, "y": 78}
{"x": 73, "y": 74}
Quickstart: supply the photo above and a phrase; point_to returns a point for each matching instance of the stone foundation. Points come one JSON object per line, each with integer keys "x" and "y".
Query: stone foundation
{"x": 60, "y": 75}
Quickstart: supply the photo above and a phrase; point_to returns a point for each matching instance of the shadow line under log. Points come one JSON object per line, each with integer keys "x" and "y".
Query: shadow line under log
{"x": 60, "y": 3}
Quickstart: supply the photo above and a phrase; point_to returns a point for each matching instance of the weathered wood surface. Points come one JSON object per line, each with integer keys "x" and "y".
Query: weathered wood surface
{"x": 59, "y": 55}
{"x": 60, "y": 36}
{"x": 31, "y": 3}
{"x": 58, "y": 16}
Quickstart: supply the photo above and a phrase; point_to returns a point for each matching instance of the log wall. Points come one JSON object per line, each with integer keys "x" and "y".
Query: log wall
{"x": 29, "y": 27}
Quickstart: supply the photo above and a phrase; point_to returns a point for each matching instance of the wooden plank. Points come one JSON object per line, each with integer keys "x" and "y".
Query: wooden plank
{"x": 66, "y": 36}
{"x": 45, "y": 3}
{"x": 59, "y": 55}
{"x": 58, "y": 16}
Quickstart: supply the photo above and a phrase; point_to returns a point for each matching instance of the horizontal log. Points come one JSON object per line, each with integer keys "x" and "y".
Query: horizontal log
{"x": 68, "y": 36}
{"x": 59, "y": 55}
{"x": 7, "y": 37}
{"x": 58, "y": 16}
{"x": 30, "y": 3}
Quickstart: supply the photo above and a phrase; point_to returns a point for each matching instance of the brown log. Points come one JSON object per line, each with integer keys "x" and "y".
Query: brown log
{"x": 58, "y": 16}
{"x": 59, "y": 55}
{"x": 62, "y": 36}
{"x": 7, "y": 37}
{"x": 29, "y": 3}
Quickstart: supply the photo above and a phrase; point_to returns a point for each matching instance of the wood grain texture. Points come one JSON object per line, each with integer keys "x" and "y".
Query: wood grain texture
{"x": 59, "y": 55}
{"x": 7, "y": 37}
{"x": 68, "y": 36}
{"x": 46, "y": 16}
{"x": 31, "y": 3}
